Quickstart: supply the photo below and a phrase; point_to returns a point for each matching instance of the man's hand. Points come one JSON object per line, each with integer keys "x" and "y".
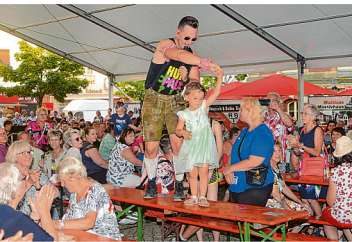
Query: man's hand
{"x": 183, "y": 73}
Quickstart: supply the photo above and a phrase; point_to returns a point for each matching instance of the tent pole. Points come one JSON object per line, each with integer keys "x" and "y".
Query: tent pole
{"x": 300, "y": 68}
{"x": 111, "y": 85}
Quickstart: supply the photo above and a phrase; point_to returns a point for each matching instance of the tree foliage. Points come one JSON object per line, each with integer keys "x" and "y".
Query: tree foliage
{"x": 42, "y": 73}
{"x": 133, "y": 89}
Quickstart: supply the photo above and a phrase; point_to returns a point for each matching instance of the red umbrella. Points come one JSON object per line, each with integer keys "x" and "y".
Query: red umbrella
{"x": 227, "y": 88}
{"x": 283, "y": 85}
{"x": 347, "y": 92}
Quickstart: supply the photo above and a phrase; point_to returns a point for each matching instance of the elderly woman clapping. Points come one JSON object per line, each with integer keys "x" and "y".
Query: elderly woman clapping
{"x": 20, "y": 154}
{"x": 12, "y": 221}
{"x": 90, "y": 207}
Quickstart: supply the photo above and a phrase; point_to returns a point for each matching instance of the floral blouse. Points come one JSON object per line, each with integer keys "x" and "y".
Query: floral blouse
{"x": 96, "y": 200}
{"x": 119, "y": 167}
{"x": 342, "y": 208}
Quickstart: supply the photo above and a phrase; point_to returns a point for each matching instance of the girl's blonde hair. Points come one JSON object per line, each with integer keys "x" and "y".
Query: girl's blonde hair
{"x": 72, "y": 166}
{"x": 253, "y": 106}
{"x": 193, "y": 86}
{"x": 16, "y": 148}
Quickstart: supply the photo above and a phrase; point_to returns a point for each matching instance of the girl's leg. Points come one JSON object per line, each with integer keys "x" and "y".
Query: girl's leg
{"x": 348, "y": 234}
{"x": 203, "y": 180}
{"x": 193, "y": 181}
{"x": 213, "y": 196}
{"x": 315, "y": 206}
{"x": 331, "y": 233}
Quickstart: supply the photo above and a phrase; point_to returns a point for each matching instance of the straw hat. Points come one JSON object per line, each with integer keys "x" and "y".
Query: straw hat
{"x": 343, "y": 146}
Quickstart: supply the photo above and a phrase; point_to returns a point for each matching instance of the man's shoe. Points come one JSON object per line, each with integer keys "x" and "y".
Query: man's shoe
{"x": 151, "y": 189}
{"x": 179, "y": 194}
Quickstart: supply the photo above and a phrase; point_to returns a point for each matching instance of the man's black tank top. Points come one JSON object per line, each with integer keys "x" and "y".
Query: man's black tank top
{"x": 166, "y": 78}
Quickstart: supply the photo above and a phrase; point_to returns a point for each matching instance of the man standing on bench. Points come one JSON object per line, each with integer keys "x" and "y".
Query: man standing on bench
{"x": 173, "y": 65}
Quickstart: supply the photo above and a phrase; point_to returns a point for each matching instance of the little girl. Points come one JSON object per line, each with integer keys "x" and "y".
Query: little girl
{"x": 198, "y": 150}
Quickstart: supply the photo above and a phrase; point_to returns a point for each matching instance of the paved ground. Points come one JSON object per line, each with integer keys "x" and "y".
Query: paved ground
{"x": 152, "y": 232}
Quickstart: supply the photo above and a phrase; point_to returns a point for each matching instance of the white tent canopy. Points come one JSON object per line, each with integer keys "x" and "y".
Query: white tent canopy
{"x": 88, "y": 108}
{"x": 91, "y": 34}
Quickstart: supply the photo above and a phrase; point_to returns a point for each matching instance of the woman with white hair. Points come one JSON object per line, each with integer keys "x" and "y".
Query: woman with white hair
{"x": 90, "y": 207}
{"x": 309, "y": 143}
{"x": 20, "y": 154}
{"x": 252, "y": 149}
{"x": 12, "y": 221}
{"x": 73, "y": 143}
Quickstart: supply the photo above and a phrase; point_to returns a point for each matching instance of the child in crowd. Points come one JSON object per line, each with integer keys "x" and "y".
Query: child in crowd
{"x": 198, "y": 150}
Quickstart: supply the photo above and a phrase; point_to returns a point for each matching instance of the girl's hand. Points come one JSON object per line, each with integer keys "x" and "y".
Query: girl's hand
{"x": 216, "y": 69}
{"x": 183, "y": 73}
{"x": 187, "y": 135}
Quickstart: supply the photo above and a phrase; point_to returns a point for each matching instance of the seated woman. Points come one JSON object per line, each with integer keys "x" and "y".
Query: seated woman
{"x": 335, "y": 134}
{"x": 20, "y": 154}
{"x": 73, "y": 143}
{"x": 90, "y": 207}
{"x": 280, "y": 189}
{"x": 96, "y": 166}
{"x": 253, "y": 148}
{"x": 339, "y": 197}
{"x": 108, "y": 142}
{"x": 122, "y": 161}
{"x": 56, "y": 154}
{"x": 12, "y": 221}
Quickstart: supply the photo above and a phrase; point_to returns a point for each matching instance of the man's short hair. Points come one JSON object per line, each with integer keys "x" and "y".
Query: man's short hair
{"x": 190, "y": 21}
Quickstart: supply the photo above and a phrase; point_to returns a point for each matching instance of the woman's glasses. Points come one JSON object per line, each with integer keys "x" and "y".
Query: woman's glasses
{"x": 27, "y": 152}
{"x": 189, "y": 38}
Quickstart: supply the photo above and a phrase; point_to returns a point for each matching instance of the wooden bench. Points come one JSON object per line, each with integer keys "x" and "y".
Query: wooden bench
{"x": 299, "y": 237}
{"x": 225, "y": 226}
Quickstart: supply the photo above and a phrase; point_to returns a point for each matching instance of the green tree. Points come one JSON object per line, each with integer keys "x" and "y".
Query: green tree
{"x": 133, "y": 89}
{"x": 208, "y": 82}
{"x": 42, "y": 73}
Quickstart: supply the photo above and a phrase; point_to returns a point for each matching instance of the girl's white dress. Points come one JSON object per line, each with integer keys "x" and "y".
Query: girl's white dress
{"x": 201, "y": 148}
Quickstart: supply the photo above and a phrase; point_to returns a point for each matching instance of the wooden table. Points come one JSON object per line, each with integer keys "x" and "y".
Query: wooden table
{"x": 312, "y": 180}
{"x": 80, "y": 235}
{"x": 247, "y": 215}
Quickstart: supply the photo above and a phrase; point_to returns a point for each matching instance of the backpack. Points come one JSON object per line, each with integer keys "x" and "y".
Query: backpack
{"x": 165, "y": 176}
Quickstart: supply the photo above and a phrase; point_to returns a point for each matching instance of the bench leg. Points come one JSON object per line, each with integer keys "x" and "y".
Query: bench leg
{"x": 247, "y": 232}
{"x": 140, "y": 224}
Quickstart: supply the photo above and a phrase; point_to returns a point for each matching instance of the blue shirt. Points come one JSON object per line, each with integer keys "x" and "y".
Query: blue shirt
{"x": 120, "y": 123}
{"x": 11, "y": 221}
{"x": 258, "y": 142}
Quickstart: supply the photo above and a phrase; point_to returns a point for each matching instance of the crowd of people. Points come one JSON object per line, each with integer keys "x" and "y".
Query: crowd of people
{"x": 173, "y": 144}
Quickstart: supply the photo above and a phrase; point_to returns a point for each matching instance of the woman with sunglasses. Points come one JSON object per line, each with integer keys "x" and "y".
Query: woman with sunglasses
{"x": 20, "y": 154}
{"x": 92, "y": 160}
{"x": 73, "y": 143}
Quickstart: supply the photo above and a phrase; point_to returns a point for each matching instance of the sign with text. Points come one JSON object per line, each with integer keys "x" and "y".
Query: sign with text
{"x": 231, "y": 109}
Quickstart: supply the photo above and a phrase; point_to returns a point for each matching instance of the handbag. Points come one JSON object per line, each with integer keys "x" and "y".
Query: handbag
{"x": 312, "y": 166}
{"x": 257, "y": 175}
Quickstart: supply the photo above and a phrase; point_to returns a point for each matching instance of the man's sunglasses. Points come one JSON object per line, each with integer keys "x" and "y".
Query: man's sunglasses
{"x": 188, "y": 38}
{"x": 78, "y": 139}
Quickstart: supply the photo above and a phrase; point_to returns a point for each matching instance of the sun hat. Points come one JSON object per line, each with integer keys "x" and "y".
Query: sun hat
{"x": 343, "y": 146}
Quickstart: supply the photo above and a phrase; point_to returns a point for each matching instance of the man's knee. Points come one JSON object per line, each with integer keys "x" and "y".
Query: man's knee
{"x": 151, "y": 149}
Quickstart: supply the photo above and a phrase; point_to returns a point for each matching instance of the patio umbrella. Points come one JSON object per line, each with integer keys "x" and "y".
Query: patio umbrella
{"x": 283, "y": 85}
